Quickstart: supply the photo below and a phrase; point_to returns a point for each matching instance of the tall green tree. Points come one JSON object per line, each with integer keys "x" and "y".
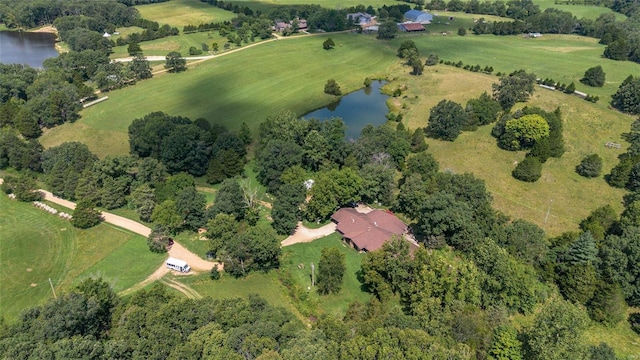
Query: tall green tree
{"x": 229, "y": 200}
{"x": 514, "y": 88}
{"x": 557, "y": 332}
{"x": 331, "y": 268}
{"x": 140, "y": 67}
{"x": 175, "y": 63}
{"x": 332, "y": 189}
{"x": 286, "y": 208}
{"x": 446, "y": 120}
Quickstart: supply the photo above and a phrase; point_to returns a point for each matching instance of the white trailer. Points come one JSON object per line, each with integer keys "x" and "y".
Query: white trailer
{"x": 178, "y": 265}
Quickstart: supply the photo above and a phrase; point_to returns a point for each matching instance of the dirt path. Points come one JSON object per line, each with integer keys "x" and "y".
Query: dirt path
{"x": 303, "y": 234}
{"x": 186, "y": 290}
{"x": 157, "y": 275}
{"x": 177, "y": 250}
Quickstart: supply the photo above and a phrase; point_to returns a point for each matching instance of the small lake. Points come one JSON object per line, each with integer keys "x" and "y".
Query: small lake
{"x": 19, "y": 47}
{"x": 357, "y": 110}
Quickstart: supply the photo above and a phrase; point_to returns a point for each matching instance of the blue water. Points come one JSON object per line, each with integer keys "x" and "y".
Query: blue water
{"x": 17, "y": 47}
{"x": 357, "y": 110}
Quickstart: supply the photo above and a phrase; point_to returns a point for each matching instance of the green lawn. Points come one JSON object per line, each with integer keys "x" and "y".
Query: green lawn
{"x": 37, "y": 246}
{"x": 625, "y": 341}
{"x": 180, "y": 43}
{"x": 184, "y": 12}
{"x": 297, "y": 260}
{"x": 245, "y": 86}
{"x": 580, "y": 11}
{"x": 266, "y": 285}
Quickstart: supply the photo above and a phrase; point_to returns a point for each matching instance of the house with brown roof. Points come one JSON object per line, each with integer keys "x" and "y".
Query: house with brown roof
{"x": 367, "y": 231}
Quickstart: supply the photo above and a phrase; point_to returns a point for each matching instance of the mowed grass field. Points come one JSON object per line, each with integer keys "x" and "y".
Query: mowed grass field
{"x": 180, "y": 43}
{"x": 184, "y": 12}
{"x": 297, "y": 260}
{"x": 580, "y": 11}
{"x": 245, "y": 86}
{"x": 36, "y": 246}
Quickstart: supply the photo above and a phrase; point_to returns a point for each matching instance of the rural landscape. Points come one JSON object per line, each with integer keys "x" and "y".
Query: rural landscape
{"x": 320, "y": 179}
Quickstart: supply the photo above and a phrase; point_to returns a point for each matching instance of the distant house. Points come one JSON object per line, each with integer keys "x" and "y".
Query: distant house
{"x": 281, "y": 26}
{"x": 106, "y": 35}
{"x": 302, "y": 24}
{"x": 418, "y": 16}
{"x": 367, "y": 232}
{"x": 361, "y": 18}
{"x": 410, "y": 27}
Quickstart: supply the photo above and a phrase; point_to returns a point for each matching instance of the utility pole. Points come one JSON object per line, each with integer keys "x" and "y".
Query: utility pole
{"x": 546, "y": 218}
{"x": 313, "y": 275}
{"x": 52, "y": 289}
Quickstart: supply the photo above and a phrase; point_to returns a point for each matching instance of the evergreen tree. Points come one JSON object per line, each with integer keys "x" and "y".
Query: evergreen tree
{"x": 594, "y": 77}
{"x": 85, "y": 215}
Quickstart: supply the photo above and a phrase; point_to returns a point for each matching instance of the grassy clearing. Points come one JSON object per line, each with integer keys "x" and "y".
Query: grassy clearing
{"x": 37, "y": 246}
{"x": 570, "y": 56}
{"x": 184, "y": 12}
{"x": 621, "y": 338}
{"x": 180, "y": 43}
{"x": 236, "y": 88}
{"x": 266, "y": 285}
{"x": 586, "y": 128}
{"x": 307, "y": 253}
{"x": 580, "y": 11}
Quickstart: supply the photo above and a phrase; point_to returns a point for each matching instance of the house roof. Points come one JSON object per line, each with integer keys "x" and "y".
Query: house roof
{"x": 413, "y": 26}
{"x": 368, "y": 231}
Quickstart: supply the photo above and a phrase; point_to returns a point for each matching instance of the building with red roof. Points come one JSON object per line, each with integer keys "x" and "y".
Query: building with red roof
{"x": 367, "y": 232}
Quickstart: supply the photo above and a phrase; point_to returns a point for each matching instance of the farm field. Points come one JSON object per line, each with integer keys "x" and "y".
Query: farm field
{"x": 180, "y": 43}
{"x": 37, "y": 246}
{"x": 567, "y": 196}
{"x": 245, "y": 86}
{"x": 580, "y": 11}
{"x": 183, "y": 12}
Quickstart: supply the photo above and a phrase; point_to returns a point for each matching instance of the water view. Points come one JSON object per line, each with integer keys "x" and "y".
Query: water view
{"x": 358, "y": 109}
{"x": 29, "y": 48}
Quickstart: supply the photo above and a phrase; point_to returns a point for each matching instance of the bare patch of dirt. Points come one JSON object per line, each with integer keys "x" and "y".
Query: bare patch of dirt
{"x": 303, "y": 234}
{"x": 29, "y": 269}
{"x": 34, "y": 284}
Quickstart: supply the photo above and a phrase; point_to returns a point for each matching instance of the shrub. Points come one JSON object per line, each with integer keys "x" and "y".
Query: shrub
{"x": 590, "y": 166}
{"x": 367, "y": 82}
{"x": 328, "y": 44}
{"x": 214, "y": 274}
{"x": 194, "y": 51}
{"x": 433, "y": 60}
{"x": 529, "y": 170}
{"x": 332, "y": 88}
{"x": 594, "y": 77}
{"x": 158, "y": 241}
{"x": 462, "y": 31}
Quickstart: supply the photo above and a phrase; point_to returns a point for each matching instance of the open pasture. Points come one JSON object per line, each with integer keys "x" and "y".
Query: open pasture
{"x": 184, "y": 12}
{"x": 566, "y": 195}
{"x": 580, "y": 11}
{"x": 37, "y": 246}
{"x": 564, "y": 58}
{"x": 246, "y": 86}
{"x": 180, "y": 43}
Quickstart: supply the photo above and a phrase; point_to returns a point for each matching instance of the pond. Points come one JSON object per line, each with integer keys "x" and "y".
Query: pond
{"x": 357, "y": 110}
{"x": 32, "y": 48}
